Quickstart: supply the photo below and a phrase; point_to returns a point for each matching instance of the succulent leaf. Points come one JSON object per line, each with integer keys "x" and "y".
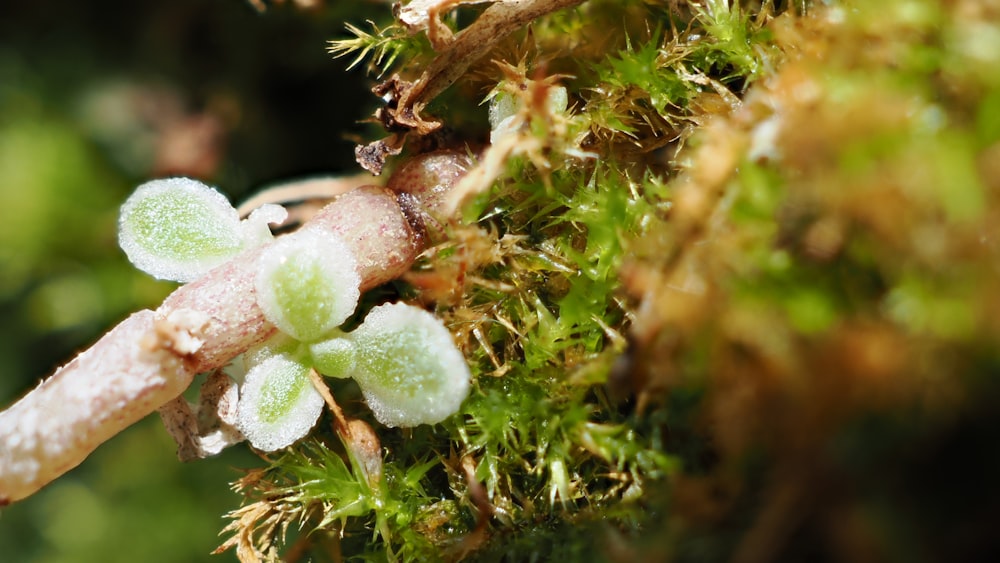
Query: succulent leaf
{"x": 334, "y": 357}
{"x": 178, "y": 228}
{"x": 278, "y": 404}
{"x": 408, "y": 366}
{"x": 308, "y": 284}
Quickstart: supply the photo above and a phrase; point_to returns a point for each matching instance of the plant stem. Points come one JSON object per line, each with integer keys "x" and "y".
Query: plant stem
{"x": 151, "y": 357}
{"x": 127, "y": 374}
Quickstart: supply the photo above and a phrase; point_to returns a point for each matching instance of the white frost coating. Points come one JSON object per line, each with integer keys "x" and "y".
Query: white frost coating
{"x": 255, "y": 230}
{"x": 204, "y": 429}
{"x": 185, "y": 327}
{"x": 178, "y": 229}
{"x": 120, "y": 379}
{"x": 307, "y": 284}
{"x": 278, "y": 404}
{"x": 334, "y": 357}
{"x": 277, "y": 344}
{"x": 408, "y": 367}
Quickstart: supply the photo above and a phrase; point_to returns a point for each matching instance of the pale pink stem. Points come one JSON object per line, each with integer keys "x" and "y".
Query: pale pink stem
{"x": 151, "y": 358}
{"x": 126, "y": 375}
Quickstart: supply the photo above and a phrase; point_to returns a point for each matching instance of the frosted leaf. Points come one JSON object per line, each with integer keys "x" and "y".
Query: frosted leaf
{"x": 334, "y": 357}
{"x": 408, "y": 366}
{"x": 278, "y": 404}
{"x": 307, "y": 284}
{"x": 278, "y": 343}
{"x": 178, "y": 229}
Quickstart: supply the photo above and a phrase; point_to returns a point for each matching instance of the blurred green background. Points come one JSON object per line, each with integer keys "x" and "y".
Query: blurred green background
{"x": 96, "y": 98}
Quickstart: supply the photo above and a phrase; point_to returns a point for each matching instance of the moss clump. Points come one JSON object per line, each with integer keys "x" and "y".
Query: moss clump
{"x": 722, "y": 307}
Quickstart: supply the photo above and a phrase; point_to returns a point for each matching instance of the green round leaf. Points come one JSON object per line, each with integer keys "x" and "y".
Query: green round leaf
{"x": 308, "y": 284}
{"x": 278, "y": 404}
{"x": 178, "y": 228}
{"x": 408, "y": 366}
{"x": 334, "y": 357}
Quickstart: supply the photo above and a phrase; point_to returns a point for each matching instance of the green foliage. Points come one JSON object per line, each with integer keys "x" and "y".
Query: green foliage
{"x": 542, "y": 316}
{"x": 328, "y": 491}
{"x": 178, "y": 228}
{"x": 308, "y": 285}
{"x": 806, "y": 263}
{"x": 383, "y": 46}
{"x": 731, "y": 303}
{"x": 408, "y": 367}
{"x": 86, "y": 98}
{"x": 278, "y": 392}
{"x": 734, "y": 44}
{"x": 186, "y": 213}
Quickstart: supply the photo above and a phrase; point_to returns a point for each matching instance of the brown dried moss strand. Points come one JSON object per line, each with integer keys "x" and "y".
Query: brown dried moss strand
{"x": 406, "y": 101}
{"x": 498, "y": 21}
{"x": 309, "y": 189}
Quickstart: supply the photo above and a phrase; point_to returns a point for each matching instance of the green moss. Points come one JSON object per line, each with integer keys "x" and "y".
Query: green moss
{"x": 384, "y": 46}
{"x": 751, "y": 235}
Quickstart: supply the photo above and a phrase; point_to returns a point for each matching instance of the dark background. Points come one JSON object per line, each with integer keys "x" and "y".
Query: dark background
{"x": 95, "y": 98}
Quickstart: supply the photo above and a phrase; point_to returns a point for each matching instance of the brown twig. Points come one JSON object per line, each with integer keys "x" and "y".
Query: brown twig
{"x": 406, "y": 101}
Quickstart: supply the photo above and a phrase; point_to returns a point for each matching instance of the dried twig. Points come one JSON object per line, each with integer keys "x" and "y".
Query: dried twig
{"x": 405, "y": 101}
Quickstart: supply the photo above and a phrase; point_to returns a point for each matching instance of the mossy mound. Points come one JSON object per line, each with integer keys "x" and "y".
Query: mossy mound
{"x": 739, "y": 301}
